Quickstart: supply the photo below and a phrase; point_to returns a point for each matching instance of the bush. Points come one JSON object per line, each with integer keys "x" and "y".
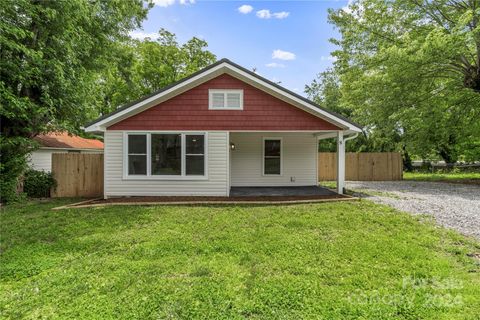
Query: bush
{"x": 13, "y": 152}
{"x": 37, "y": 184}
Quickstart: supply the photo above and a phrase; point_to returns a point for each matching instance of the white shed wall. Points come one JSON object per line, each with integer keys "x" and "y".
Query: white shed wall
{"x": 41, "y": 159}
{"x": 299, "y": 156}
{"x": 216, "y": 184}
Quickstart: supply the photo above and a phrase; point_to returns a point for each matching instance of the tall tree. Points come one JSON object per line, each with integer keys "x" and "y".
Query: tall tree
{"x": 142, "y": 67}
{"x": 51, "y": 53}
{"x": 410, "y": 69}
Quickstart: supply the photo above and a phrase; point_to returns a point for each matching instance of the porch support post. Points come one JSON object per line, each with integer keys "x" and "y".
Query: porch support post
{"x": 340, "y": 163}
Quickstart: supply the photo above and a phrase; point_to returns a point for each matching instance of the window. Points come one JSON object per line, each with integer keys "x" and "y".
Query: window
{"x": 225, "y": 99}
{"x": 272, "y": 156}
{"x": 137, "y": 154}
{"x": 195, "y": 155}
{"x": 165, "y": 155}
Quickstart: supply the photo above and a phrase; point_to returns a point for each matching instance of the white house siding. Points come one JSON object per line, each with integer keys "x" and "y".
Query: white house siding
{"x": 215, "y": 185}
{"x": 299, "y": 156}
{"x": 41, "y": 159}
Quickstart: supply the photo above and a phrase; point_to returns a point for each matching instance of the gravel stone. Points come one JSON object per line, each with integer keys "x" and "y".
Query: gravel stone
{"x": 455, "y": 206}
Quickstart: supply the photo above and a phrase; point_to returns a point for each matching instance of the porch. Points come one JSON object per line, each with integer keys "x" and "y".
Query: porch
{"x": 271, "y": 164}
{"x": 300, "y": 191}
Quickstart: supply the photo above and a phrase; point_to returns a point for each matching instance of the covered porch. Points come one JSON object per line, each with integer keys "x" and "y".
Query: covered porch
{"x": 281, "y": 163}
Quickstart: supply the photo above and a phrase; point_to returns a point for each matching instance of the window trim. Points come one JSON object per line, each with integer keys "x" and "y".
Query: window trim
{"x": 281, "y": 157}
{"x": 149, "y": 175}
{"x": 225, "y": 92}
{"x": 128, "y": 154}
{"x": 194, "y": 154}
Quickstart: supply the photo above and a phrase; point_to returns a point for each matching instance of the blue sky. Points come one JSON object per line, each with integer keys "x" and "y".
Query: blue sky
{"x": 285, "y": 41}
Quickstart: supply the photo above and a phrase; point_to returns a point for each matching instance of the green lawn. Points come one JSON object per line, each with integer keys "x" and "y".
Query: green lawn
{"x": 332, "y": 261}
{"x": 462, "y": 177}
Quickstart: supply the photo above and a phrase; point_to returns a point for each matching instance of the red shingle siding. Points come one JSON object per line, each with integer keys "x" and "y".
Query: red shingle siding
{"x": 189, "y": 111}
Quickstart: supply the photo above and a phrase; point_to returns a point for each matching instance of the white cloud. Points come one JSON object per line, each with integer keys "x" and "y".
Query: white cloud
{"x": 266, "y": 14}
{"x": 140, "y": 35}
{"x": 167, "y": 3}
{"x": 328, "y": 58}
{"x": 283, "y": 55}
{"x": 275, "y": 65}
{"x": 281, "y": 15}
{"x": 163, "y": 3}
{"x": 347, "y": 7}
{"x": 245, "y": 9}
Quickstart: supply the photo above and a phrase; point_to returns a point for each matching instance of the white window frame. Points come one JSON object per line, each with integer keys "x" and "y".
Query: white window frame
{"x": 225, "y": 92}
{"x": 149, "y": 175}
{"x": 146, "y": 154}
{"x": 281, "y": 157}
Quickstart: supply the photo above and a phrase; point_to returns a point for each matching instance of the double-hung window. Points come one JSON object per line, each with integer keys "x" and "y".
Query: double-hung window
{"x": 165, "y": 155}
{"x": 195, "y": 155}
{"x": 137, "y": 154}
{"x": 272, "y": 156}
{"x": 225, "y": 99}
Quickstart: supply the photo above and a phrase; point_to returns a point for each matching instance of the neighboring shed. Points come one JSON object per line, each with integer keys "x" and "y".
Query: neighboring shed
{"x": 41, "y": 159}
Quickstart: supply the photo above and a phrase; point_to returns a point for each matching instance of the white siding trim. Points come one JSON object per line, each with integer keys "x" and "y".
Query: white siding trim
{"x": 229, "y": 165}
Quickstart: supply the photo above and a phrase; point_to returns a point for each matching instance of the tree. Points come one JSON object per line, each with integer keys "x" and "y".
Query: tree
{"x": 326, "y": 91}
{"x": 51, "y": 53}
{"x": 409, "y": 71}
{"x": 142, "y": 67}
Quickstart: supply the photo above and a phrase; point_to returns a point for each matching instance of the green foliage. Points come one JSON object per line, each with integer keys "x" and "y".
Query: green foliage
{"x": 142, "y": 67}
{"x": 37, "y": 184}
{"x": 409, "y": 71}
{"x": 63, "y": 63}
{"x": 12, "y": 166}
{"x": 232, "y": 262}
{"x": 51, "y": 53}
{"x": 439, "y": 176}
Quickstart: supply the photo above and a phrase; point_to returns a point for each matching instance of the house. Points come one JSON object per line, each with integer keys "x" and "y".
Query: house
{"x": 60, "y": 142}
{"x": 222, "y": 127}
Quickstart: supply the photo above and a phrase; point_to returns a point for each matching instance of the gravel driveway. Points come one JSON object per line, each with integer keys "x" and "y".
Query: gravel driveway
{"x": 455, "y": 206}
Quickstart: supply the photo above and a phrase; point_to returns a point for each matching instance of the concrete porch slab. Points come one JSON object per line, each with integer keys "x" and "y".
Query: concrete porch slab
{"x": 300, "y": 191}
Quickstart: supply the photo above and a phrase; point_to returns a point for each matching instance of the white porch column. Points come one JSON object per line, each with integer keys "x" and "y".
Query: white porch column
{"x": 340, "y": 162}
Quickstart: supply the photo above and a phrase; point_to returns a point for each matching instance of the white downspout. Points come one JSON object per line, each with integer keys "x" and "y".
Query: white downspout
{"x": 351, "y": 137}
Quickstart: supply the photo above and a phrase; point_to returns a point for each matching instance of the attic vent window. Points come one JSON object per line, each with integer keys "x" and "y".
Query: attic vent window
{"x": 220, "y": 99}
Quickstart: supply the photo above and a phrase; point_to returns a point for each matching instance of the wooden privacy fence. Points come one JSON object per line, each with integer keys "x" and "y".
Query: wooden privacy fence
{"x": 78, "y": 174}
{"x": 371, "y": 166}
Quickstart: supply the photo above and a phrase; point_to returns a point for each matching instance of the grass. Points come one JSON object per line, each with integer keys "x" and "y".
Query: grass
{"x": 461, "y": 177}
{"x": 323, "y": 261}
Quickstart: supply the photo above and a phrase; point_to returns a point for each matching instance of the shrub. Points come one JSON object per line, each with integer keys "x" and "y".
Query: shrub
{"x": 37, "y": 184}
{"x": 13, "y": 163}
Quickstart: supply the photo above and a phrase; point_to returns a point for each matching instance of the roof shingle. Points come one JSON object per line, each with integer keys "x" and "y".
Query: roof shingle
{"x": 65, "y": 141}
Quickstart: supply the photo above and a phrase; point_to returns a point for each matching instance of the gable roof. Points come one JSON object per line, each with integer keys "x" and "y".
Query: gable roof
{"x": 61, "y": 140}
{"x": 220, "y": 67}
